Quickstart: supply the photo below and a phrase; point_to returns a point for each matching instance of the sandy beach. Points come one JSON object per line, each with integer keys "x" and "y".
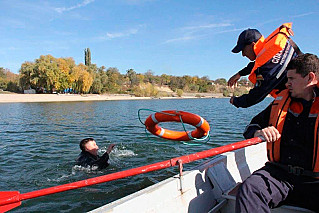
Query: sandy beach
{"x": 23, "y": 98}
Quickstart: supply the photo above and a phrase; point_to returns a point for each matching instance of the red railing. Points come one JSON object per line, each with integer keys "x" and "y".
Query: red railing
{"x": 12, "y": 199}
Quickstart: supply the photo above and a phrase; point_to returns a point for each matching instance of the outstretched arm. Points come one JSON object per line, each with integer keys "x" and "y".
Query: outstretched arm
{"x": 245, "y": 71}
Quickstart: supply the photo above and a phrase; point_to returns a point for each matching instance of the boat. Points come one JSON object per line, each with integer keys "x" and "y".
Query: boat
{"x": 209, "y": 187}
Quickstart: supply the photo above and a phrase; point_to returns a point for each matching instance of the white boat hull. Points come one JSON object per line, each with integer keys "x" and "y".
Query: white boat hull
{"x": 206, "y": 188}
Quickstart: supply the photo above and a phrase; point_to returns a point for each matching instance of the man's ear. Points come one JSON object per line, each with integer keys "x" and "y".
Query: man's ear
{"x": 312, "y": 78}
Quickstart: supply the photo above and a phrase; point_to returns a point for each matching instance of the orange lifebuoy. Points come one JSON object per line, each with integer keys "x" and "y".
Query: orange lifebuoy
{"x": 202, "y": 126}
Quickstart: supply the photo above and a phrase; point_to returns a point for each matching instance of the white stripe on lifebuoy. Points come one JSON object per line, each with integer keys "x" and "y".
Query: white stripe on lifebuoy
{"x": 154, "y": 119}
{"x": 189, "y": 134}
{"x": 200, "y": 123}
{"x": 162, "y": 132}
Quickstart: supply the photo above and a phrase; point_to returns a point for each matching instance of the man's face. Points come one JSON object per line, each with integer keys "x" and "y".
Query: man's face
{"x": 297, "y": 84}
{"x": 91, "y": 147}
{"x": 248, "y": 52}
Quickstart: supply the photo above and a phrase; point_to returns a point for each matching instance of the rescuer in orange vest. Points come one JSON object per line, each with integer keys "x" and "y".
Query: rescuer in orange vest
{"x": 290, "y": 127}
{"x": 269, "y": 57}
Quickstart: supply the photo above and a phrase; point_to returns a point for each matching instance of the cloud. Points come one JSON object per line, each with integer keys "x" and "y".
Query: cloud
{"x": 281, "y": 19}
{"x": 184, "y": 38}
{"x": 79, "y": 5}
{"x": 135, "y": 2}
{"x": 231, "y": 30}
{"x": 303, "y": 14}
{"x": 192, "y": 32}
{"x": 207, "y": 26}
{"x": 114, "y": 35}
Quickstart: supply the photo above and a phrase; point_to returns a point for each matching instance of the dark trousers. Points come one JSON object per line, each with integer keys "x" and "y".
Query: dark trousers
{"x": 271, "y": 187}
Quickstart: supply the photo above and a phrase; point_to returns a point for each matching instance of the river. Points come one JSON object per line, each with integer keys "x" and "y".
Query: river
{"x": 40, "y": 142}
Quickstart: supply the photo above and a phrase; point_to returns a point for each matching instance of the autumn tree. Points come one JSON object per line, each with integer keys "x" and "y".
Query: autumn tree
{"x": 82, "y": 79}
{"x": 51, "y": 74}
{"x": 47, "y": 73}
{"x": 65, "y": 66}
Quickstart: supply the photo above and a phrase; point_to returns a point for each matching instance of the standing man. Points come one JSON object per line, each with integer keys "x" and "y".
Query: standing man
{"x": 290, "y": 127}
{"x": 267, "y": 69}
{"x": 89, "y": 156}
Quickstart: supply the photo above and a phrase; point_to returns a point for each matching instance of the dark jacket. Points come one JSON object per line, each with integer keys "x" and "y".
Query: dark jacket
{"x": 297, "y": 137}
{"x": 86, "y": 159}
{"x": 270, "y": 76}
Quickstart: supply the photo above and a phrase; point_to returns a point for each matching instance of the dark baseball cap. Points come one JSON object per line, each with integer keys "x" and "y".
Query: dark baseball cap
{"x": 246, "y": 37}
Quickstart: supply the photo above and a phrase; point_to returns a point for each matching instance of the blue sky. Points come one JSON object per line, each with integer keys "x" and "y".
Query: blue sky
{"x": 168, "y": 37}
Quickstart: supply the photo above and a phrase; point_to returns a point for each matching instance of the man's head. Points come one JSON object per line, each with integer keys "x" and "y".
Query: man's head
{"x": 246, "y": 42}
{"x": 302, "y": 74}
{"x": 89, "y": 145}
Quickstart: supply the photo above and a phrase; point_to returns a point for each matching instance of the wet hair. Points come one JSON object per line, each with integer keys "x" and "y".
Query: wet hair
{"x": 304, "y": 64}
{"x": 85, "y": 141}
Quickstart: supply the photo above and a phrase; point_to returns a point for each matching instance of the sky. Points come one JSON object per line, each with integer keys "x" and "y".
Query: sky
{"x": 173, "y": 37}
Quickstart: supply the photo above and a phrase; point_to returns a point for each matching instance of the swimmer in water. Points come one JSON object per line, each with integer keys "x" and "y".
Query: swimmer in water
{"x": 89, "y": 156}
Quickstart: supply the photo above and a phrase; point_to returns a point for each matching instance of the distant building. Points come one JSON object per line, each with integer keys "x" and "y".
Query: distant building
{"x": 29, "y": 91}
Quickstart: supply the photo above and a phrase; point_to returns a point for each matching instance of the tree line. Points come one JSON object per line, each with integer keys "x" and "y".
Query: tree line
{"x": 8, "y": 80}
{"x": 48, "y": 74}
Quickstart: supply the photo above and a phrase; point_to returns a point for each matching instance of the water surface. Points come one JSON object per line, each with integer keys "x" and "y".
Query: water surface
{"x": 40, "y": 142}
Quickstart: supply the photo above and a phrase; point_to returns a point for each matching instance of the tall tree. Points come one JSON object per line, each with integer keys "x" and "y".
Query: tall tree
{"x": 87, "y": 56}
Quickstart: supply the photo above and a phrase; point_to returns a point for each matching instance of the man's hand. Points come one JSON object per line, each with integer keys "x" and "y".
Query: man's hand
{"x": 231, "y": 100}
{"x": 233, "y": 80}
{"x": 271, "y": 134}
{"x": 110, "y": 148}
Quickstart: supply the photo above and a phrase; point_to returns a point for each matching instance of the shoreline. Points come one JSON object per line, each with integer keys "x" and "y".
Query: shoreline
{"x": 34, "y": 98}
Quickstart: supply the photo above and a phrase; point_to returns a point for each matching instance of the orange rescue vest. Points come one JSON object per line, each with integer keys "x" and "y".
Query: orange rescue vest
{"x": 278, "y": 114}
{"x": 268, "y": 48}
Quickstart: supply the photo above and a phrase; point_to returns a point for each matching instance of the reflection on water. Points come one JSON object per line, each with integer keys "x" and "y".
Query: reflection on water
{"x": 40, "y": 142}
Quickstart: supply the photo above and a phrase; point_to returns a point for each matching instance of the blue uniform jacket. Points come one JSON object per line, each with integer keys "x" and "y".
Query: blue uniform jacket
{"x": 270, "y": 76}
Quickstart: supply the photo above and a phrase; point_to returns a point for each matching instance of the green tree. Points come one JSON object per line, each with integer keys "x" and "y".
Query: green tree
{"x": 149, "y": 76}
{"x": 226, "y": 92}
{"x": 132, "y": 76}
{"x": 114, "y": 81}
{"x": 26, "y": 76}
{"x": 165, "y": 79}
{"x": 179, "y": 92}
{"x": 87, "y": 56}
{"x": 3, "y": 83}
{"x": 97, "y": 85}
{"x": 221, "y": 81}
